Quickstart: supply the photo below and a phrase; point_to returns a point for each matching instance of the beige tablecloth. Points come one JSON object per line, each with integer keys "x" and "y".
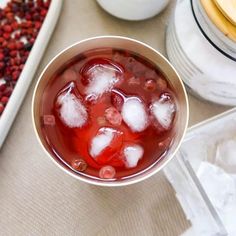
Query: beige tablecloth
{"x": 37, "y": 198}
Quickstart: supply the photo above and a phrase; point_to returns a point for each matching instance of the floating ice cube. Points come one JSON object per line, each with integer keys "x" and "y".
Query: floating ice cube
{"x": 101, "y": 141}
{"x": 101, "y": 77}
{"x": 72, "y": 112}
{"x": 163, "y": 110}
{"x": 133, "y": 153}
{"x": 134, "y": 114}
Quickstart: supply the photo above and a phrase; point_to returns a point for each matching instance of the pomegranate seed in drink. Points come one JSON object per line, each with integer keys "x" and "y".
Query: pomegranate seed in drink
{"x": 107, "y": 172}
{"x": 79, "y": 165}
{"x": 150, "y": 84}
{"x": 114, "y": 109}
{"x": 49, "y": 120}
{"x": 113, "y": 116}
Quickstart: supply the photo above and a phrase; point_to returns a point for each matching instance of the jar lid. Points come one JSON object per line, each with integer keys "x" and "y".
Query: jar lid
{"x": 216, "y": 28}
{"x": 228, "y": 8}
{"x": 219, "y": 19}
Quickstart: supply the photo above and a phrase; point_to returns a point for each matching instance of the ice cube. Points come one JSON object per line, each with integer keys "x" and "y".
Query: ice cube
{"x": 100, "y": 75}
{"x": 133, "y": 153}
{"x": 101, "y": 141}
{"x": 71, "y": 110}
{"x": 163, "y": 111}
{"x": 134, "y": 114}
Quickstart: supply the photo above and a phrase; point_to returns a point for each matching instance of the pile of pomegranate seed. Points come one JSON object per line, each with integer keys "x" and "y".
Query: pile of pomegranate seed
{"x": 20, "y": 22}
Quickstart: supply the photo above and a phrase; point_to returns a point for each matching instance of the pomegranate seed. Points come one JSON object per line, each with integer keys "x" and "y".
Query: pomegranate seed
{"x": 2, "y": 65}
{"x": 1, "y": 108}
{"x": 6, "y": 35}
{"x": 1, "y": 56}
{"x": 4, "y": 100}
{"x": 150, "y": 85}
{"x": 32, "y": 40}
{"x": 107, "y": 172}
{"x": 14, "y": 25}
{"x": 7, "y": 28}
{"x": 22, "y": 65}
{"x": 79, "y": 165}
{"x": 12, "y": 46}
{"x": 15, "y": 75}
{"x": 19, "y": 45}
{"x": 2, "y": 87}
{"x": 46, "y": 4}
{"x": 7, "y": 92}
{"x": 13, "y": 54}
{"x": 43, "y": 12}
{"x": 37, "y": 24}
{"x": 49, "y": 120}
{"x": 113, "y": 116}
{"x": 28, "y": 17}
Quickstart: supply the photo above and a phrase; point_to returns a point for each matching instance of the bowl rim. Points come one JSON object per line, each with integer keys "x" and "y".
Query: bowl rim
{"x": 108, "y": 183}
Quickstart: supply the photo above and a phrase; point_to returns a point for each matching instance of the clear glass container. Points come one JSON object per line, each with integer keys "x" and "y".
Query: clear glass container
{"x": 201, "y": 145}
{"x": 204, "y": 57}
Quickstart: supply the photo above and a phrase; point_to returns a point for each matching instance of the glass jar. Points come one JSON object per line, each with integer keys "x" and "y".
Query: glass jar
{"x": 204, "y": 57}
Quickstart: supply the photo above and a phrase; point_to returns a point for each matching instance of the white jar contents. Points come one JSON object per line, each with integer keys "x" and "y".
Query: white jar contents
{"x": 203, "y": 68}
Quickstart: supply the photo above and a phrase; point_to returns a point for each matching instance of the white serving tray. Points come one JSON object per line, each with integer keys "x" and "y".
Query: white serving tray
{"x": 23, "y": 83}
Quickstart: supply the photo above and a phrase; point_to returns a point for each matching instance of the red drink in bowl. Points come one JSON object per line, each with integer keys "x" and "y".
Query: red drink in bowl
{"x": 108, "y": 114}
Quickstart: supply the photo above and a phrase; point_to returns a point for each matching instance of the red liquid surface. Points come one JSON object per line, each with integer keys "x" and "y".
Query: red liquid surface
{"x": 76, "y": 139}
